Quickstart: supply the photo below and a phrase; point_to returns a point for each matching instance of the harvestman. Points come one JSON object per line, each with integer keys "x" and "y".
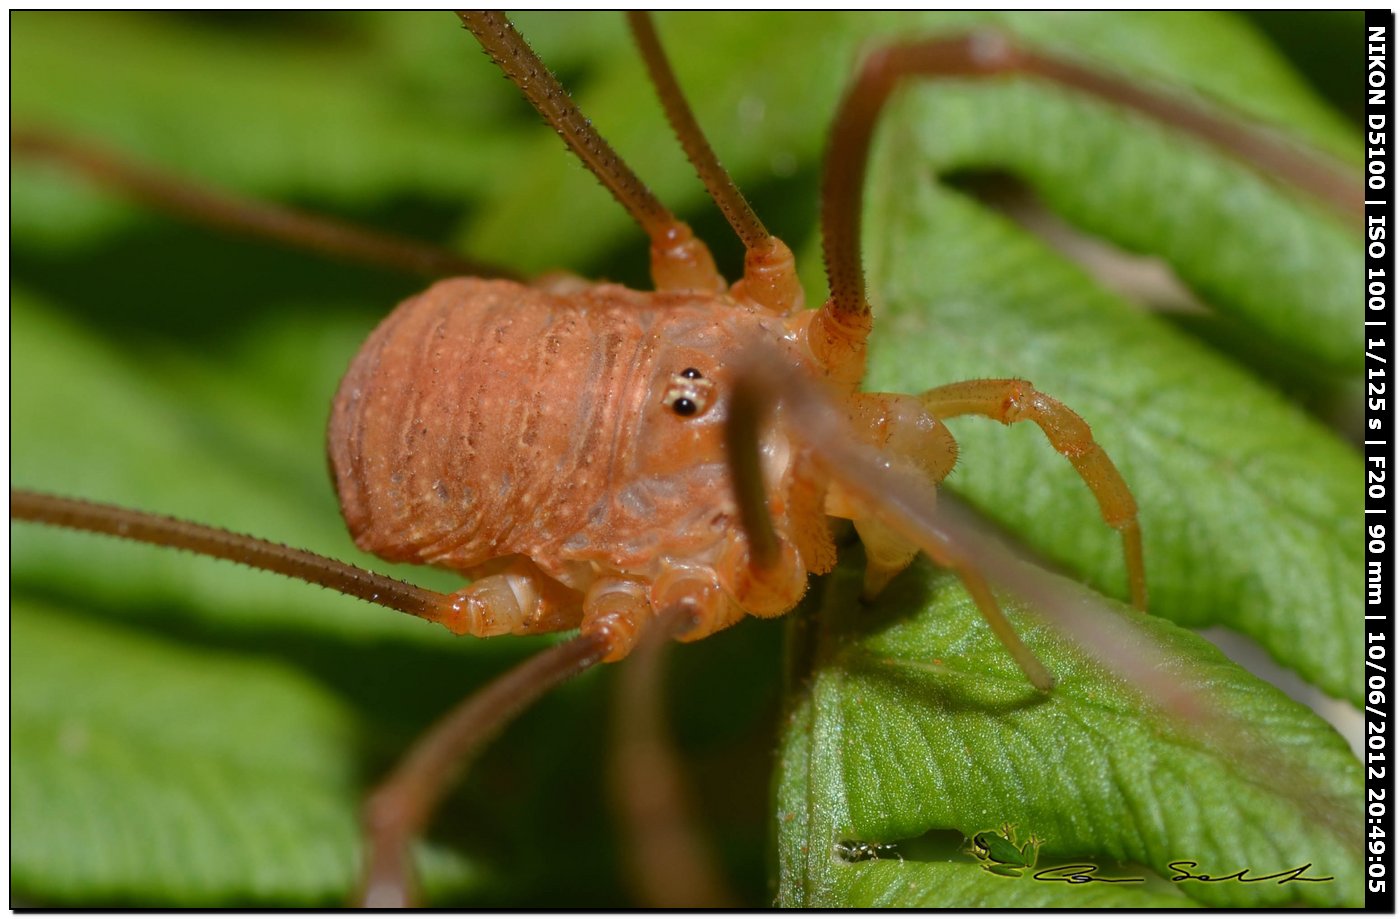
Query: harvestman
{"x": 673, "y": 456}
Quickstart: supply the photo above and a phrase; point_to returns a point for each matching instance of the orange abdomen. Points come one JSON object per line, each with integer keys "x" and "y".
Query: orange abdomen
{"x": 479, "y": 420}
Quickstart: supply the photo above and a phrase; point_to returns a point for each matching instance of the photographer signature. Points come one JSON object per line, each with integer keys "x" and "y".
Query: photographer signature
{"x": 1087, "y": 874}
{"x": 1001, "y": 853}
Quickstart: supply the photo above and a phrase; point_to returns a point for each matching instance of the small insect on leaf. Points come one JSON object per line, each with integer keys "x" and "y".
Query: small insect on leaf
{"x": 192, "y": 733}
{"x": 1000, "y": 853}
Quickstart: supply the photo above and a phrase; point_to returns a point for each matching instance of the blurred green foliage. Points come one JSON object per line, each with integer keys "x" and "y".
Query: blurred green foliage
{"x": 186, "y": 732}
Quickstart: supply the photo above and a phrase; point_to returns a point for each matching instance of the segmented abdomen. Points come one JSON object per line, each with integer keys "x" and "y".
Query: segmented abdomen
{"x": 481, "y": 417}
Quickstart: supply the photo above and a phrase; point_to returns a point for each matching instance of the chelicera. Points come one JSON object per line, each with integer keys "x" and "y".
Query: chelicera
{"x": 642, "y": 473}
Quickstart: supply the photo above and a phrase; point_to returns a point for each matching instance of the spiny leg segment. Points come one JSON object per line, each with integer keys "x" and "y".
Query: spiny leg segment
{"x": 721, "y": 187}
{"x": 155, "y": 529}
{"x": 679, "y": 260}
{"x": 770, "y": 273}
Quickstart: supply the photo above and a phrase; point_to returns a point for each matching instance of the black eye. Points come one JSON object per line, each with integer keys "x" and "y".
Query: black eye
{"x": 683, "y": 407}
{"x": 690, "y": 373}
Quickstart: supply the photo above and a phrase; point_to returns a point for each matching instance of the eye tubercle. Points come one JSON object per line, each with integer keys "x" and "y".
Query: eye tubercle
{"x": 688, "y": 394}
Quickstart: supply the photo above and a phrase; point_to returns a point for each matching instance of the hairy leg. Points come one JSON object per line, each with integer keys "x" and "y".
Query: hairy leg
{"x": 770, "y": 274}
{"x": 679, "y": 261}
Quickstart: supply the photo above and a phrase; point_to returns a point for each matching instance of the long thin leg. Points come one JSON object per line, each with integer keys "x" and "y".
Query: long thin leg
{"x": 770, "y": 273}
{"x": 205, "y": 205}
{"x": 111, "y": 520}
{"x": 1009, "y": 401}
{"x": 721, "y": 187}
{"x": 399, "y": 809}
{"x": 989, "y": 55}
{"x": 517, "y": 598}
{"x": 679, "y": 260}
{"x": 669, "y": 864}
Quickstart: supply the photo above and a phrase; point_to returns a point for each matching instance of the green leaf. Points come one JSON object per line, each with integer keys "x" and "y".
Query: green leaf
{"x": 263, "y": 821}
{"x": 1137, "y": 184}
{"x": 967, "y": 886}
{"x": 308, "y": 106}
{"x": 172, "y": 369}
{"x": 887, "y": 741}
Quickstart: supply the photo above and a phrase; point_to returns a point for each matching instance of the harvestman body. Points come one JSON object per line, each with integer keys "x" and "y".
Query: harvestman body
{"x": 568, "y": 451}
